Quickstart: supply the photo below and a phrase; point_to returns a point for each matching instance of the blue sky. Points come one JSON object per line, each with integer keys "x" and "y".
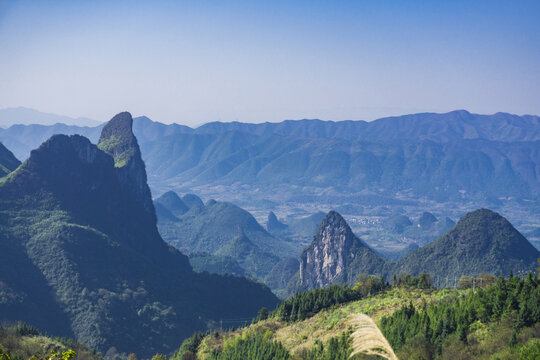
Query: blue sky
{"x": 197, "y": 61}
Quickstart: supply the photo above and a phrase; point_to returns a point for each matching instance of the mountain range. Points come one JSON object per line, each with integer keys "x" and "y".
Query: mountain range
{"x": 442, "y": 156}
{"x": 26, "y": 116}
{"x": 81, "y": 255}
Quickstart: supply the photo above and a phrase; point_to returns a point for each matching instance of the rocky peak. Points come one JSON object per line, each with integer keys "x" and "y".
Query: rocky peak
{"x": 117, "y": 139}
{"x": 329, "y": 252}
{"x": 336, "y": 255}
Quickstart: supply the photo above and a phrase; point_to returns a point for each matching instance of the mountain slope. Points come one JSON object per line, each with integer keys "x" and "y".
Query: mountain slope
{"x": 224, "y": 230}
{"x": 8, "y": 162}
{"x": 80, "y": 253}
{"x": 481, "y": 242}
{"x": 336, "y": 255}
{"x": 173, "y": 203}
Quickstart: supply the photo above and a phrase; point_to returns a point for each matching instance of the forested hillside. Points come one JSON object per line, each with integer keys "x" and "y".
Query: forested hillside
{"x": 498, "y": 320}
{"x": 81, "y": 256}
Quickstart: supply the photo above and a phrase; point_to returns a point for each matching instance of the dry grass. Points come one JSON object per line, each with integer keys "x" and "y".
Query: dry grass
{"x": 332, "y": 322}
{"x": 368, "y": 338}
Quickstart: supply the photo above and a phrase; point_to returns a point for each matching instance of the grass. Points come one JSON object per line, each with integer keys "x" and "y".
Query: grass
{"x": 334, "y": 321}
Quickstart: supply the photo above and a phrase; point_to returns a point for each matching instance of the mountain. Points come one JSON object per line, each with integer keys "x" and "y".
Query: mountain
{"x": 273, "y": 224}
{"x": 225, "y": 230}
{"x": 81, "y": 256}
{"x": 481, "y": 242}
{"x": 426, "y": 220}
{"x": 336, "y": 255}
{"x": 8, "y": 162}
{"x": 192, "y": 200}
{"x": 26, "y": 116}
{"x": 397, "y": 223}
{"x": 173, "y": 203}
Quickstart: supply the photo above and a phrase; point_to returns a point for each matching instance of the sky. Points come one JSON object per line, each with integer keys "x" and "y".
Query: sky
{"x": 192, "y": 62}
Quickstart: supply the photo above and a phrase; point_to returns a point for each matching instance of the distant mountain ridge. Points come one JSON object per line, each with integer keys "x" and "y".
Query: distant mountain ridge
{"x": 452, "y": 157}
{"x": 26, "y": 116}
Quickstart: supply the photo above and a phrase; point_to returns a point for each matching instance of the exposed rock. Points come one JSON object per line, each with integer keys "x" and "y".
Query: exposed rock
{"x": 336, "y": 255}
{"x": 118, "y": 140}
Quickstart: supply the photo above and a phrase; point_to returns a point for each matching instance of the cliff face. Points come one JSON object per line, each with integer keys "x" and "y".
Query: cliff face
{"x": 117, "y": 139}
{"x": 336, "y": 255}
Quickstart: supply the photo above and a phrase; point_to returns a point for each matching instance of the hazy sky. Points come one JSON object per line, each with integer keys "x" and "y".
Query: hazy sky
{"x": 197, "y": 61}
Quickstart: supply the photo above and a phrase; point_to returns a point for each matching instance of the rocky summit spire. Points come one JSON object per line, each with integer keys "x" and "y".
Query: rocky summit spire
{"x": 336, "y": 255}
{"x": 117, "y": 139}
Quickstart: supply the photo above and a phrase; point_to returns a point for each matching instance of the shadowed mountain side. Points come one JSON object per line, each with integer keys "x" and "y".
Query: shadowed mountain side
{"x": 224, "y": 230}
{"x": 8, "y": 162}
{"x": 81, "y": 254}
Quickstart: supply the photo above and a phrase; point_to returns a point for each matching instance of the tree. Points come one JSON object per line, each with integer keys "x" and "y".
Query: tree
{"x": 531, "y": 350}
{"x": 262, "y": 314}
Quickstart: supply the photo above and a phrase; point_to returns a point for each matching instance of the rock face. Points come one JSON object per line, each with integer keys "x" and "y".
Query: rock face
{"x": 8, "y": 162}
{"x": 118, "y": 140}
{"x": 336, "y": 255}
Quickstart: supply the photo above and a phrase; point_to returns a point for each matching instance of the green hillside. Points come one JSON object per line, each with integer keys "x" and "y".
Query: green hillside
{"x": 481, "y": 241}
{"x": 224, "y": 230}
{"x": 497, "y": 321}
